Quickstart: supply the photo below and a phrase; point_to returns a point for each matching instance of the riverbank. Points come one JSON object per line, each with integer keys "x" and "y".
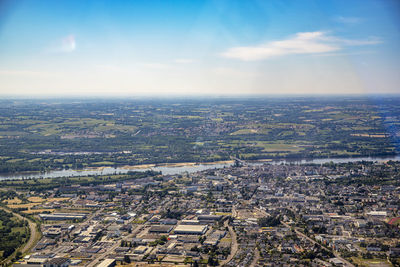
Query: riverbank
{"x": 181, "y": 167}
{"x": 174, "y": 165}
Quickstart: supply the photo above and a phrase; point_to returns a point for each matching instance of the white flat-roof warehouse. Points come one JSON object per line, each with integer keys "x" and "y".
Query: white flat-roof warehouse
{"x": 191, "y": 229}
{"x": 107, "y": 263}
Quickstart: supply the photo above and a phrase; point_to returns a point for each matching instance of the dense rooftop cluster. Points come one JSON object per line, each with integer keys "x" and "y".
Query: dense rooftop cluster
{"x": 251, "y": 215}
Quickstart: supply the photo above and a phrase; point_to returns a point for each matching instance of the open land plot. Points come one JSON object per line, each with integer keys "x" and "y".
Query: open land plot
{"x": 372, "y": 262}
{"x": 22, "y": 206}
{"x": 15, "y": 200}
{"x": 36, "y": 199}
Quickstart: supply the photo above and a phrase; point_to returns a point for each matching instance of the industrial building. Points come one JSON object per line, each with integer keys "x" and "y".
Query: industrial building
{"x": 209, "y": 217}
{"x": 161, "y": 229}
{"x": 190, "y": 222}
{"x": 107, "y": 263}
{"x": 62, "y": 216}
{"x": 191, "y": 229}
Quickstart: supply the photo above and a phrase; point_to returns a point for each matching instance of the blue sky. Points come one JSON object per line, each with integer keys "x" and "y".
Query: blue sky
{"x": 199, "y": 47}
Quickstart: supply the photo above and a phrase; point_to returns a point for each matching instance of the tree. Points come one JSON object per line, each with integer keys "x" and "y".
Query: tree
{"x": 210, "y": 261}
{"x": 269, "y": 221}
{"x": 127, "y": 259}
{"x": 164, "y": 238}
{"x": 18, "y": 255}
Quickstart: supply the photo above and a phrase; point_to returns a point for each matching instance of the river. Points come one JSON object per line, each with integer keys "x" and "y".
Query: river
{"x": 171, "y": 170}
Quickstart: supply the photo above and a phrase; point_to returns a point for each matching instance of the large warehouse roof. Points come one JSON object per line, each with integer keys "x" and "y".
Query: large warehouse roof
{"x": 190, "y": 229}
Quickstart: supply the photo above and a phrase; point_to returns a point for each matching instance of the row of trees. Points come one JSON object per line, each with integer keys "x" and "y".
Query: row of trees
{"x": 13, "y": 233}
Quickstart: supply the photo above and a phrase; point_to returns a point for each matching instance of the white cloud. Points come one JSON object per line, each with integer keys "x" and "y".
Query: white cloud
{"x": 348, "y": 20}
{"x": 301, "y": 43}
{"x": 68, "y": 44}
{"x": 232, "y": 72}
{"x": 370, "y": 41}
{"x": 109, "y": 67}
{"x": 155, "y": 65}
{"x": 183, "y": 60}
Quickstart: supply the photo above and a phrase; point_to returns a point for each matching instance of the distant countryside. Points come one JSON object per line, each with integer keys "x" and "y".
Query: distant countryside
{"x": 43, "y": 135}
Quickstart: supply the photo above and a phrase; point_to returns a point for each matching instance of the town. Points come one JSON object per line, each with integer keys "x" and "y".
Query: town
{"x": 180, "y": 133}
{"x": 245, "y": 215}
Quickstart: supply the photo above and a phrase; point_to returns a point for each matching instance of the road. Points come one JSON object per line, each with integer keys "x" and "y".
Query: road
{"x": 87, "y": 220}
{"x": 256, "y": 258}
{"x": 105, "y": 254}
{"x": 337, "y": 255}
{"x": 234, "y": 244}
{"x": 116, "y": 244}
{"x": 34, "y": 233}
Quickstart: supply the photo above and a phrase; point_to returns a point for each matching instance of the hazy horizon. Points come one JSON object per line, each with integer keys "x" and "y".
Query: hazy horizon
{"x": 70, "y": 97}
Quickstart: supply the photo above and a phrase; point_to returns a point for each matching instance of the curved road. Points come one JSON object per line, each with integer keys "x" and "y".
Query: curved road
{"x": 34, "y": 234}
{"x": 234, "y": 244}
